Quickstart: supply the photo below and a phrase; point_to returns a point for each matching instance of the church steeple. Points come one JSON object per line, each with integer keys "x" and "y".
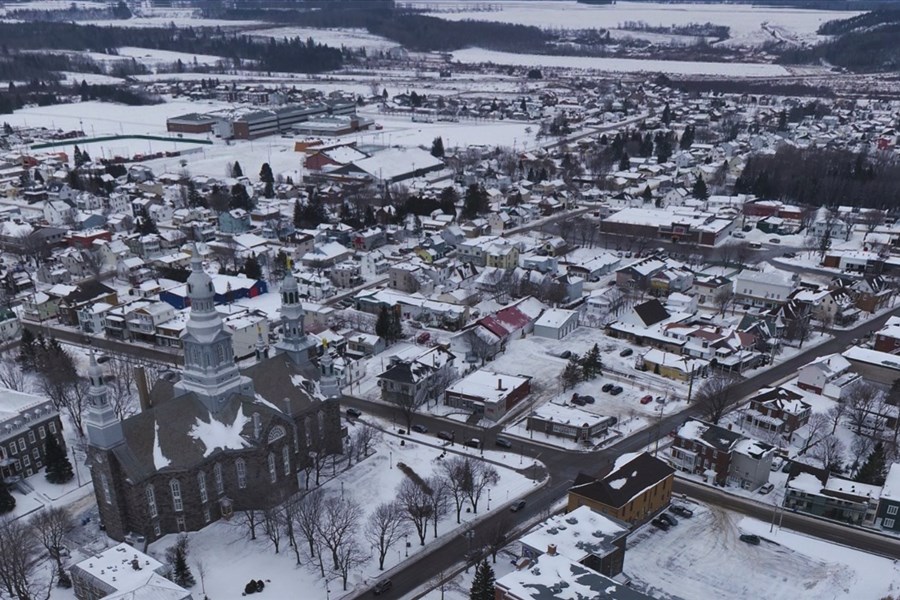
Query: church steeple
{"x": 328, "y": 382}
{"x": 209, "y": 367}
{"x": 294, "y": 341}
{"x": 104, "y": 429}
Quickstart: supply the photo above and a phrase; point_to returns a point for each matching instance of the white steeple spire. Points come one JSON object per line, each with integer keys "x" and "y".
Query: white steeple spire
{"x": 104, "y": 429}
{"x": 294, "y": 341}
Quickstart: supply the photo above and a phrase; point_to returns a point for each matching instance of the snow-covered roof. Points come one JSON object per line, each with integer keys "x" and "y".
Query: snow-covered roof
{"x": 874, "y": 357}
{"x": 115, "y": 568}
{"x": 853, "y": 488}
{"x": 555, "y": 317}
{"x": 891, "y": 489}
{"x": 577, "y": 534}
{"x": 488, "y": 386}
{"x": 806, "y": 482}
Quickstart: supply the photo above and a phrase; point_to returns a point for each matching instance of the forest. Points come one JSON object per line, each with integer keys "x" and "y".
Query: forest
{"x": 823, "y": 177}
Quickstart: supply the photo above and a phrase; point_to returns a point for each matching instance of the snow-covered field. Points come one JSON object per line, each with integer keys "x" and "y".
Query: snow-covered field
{"x": 369, "y": 483}
{"x": 702, "y": 557}
{"x": 620, "y": 65}
{"x": 154, "y": 58}
{"x": 350, "y": 38}
{"x": 746, "y": 22}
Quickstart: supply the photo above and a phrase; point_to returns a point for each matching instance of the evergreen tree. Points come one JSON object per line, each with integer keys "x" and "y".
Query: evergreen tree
{"x": 700, "y": 191}
{"x": 59, "y": 468}
{"x": 369, "y": 216}
{"x": 240, "y": 198}
{"x": 572, "y": 373}
{"x": 687, "y": 138}
{"x": 449, "y": 198}
{"x": 667, "y": 115}
{"x": 782, "y": 121}
{"x": 396, "y": 329}
{"x": 298, "y": 214}
{"x": 78, "y": 158}
{"x": 874, "y": 469}
{"x": 483, "y": 583}
{"x": 269, "y": 190}
{"x": 475, "y": 202}
{"x": 265, "y": 174}
{"x": 27, "y": 350}
{"x": 383, "y": 326}
{"x": 145, "y": 223}
{"x": 624, "y": 162}
{"x": 252, "y": 269}
{"x": 7, "y": 502}
{"x": 592, "y": 363}
{"x": 177, "y": 556}
{"x": 647, "y": 146}
{"x": 236, "y": 170}
{"x": 437, "y": 147}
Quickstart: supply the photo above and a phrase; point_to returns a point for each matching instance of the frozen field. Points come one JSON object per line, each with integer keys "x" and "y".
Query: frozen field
{"x": 746, "y": 22}
{"x": 351, "y": 38}
{"x": 620, "y": 65}
{"x": 702, "y": 557}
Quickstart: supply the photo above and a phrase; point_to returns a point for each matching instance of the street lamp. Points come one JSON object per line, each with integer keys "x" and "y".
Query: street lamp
{"x": 489, "y": 500}
{"x": 406, "y": 540}
{"x": 390, "y": 459}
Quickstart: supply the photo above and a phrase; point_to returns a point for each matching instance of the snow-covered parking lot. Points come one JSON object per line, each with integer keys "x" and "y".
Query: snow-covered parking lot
{"x": 703, "y": 557}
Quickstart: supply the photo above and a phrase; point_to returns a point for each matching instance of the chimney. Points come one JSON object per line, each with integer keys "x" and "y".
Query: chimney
{"x": 140, "y": 381}
{"x": 551, "y": 549}
{"x": 499, "y": 384}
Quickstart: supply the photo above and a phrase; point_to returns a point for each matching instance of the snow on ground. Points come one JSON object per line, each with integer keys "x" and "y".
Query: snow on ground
{"x": 747, "y": 22}
{"x": 702, "y": 557}
{"x": 154, "y": 58}
{"x": 350, "y": 38}
{"x": 51, "y": 5}
{"x": 620, "y": 65}
{"x": 178, "y": 21}
{"x": 369, "y": 483}
{"x": 90, "y": 78}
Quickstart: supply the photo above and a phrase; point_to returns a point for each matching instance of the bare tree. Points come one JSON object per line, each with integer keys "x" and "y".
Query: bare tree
{"x": 350, "y": 555}
{"x": 742, "y": 253}
{"x": 859, "y": 450}
{"x": 340, "y": 519}
{"x": 829, "y": 451}
{"x": 93, "y": 263}
{"x": 250, "y": 518}
{"x": 51, "y": 526}
{"x": 714, "y": 395}
{"x": 457, "y": 473}
{"x": 416, "y": 506}
{"x": 385, "y": 528}
{"x": 20, "y": 572}
{"x": 438, "y": 499}
{"x": 308, "y": 516}
{"x": 496, "y": 536}
{"x": 12, "y": 375}
{"x": 864, "y": 402}
{"x": 484, "y": 476}
{"x": 364, "y": 440}
{"x": 271, "y": 521}
{"x": 121, "y": 387}
{"x": 722, "y": 298}
{"x": 287, "y": 516}
{"x": 872, "y": 219}
{"x": 200, "y": 567}
{"x": 835, "y": 414}
{"x": 816, "y": 428}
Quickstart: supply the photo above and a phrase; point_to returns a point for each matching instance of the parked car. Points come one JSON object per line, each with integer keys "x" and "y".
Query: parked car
{"x": 577, "y": 401}
{"x": 660, "y": 524}
{"x": 766, "y": 488}
{"x": 420, "y": 429}
{"x": 587, "y": 399}
{"x": 352, "y": 412}
{"x": 660, "y": 399}
{"x": 607, "y": 386}
{"x": 750, "y": 539}
{"x": 566, "y": 354}
{"x": 473, "y": 443}
{"x": 423, "y": 338}
{"x": 616, "y": 390}
{"x": 790, "y": 255}
{"x": 682, "y": 511}
{"x": 669, "y": 519}
{"x": 647, "y": 399}
{"x": 774, "y": 240}
{"x": 503, "y": 442}
{"x": 382, "y": 586}
{"x": 626, "y": 352}
{"x": 786, "y": 468}
{"x": 739, "y": 234}
{"x": 777, "y": 463}
{"x": 135, "y": 539}
{"x": 445, "y": 435}
{"x": 517, "y": 506}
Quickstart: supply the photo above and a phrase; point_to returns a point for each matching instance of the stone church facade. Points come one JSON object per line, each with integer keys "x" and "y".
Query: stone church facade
{"x": 219, "y": 440}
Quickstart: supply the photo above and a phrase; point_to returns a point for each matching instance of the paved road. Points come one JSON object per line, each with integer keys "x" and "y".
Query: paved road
{"x": 563, "y": 466}
{"x": 821, "y": 528}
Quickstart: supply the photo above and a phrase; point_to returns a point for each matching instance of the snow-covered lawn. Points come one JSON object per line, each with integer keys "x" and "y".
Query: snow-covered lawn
{"x": 703, "y": 557}
{"x": 369, "y": 483}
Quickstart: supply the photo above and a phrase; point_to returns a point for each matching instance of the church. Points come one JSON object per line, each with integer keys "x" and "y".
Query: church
{"x": 219, "y": 439}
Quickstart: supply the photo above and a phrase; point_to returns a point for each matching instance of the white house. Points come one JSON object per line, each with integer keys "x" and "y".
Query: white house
{"x": 764, "y": 289}
{"x": 556, "y": 323}
{"x": 827, "y": 375}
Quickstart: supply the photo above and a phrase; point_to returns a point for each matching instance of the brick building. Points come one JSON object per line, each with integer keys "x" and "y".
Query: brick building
{"x": 217, "y": 440}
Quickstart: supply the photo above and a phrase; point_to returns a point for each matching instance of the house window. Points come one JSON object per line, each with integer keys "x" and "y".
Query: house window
{"x": 36, "y": 454}
{"x": 42, "y": 433}
{"x": 286, "y": 459}
{"x": 31, "y": 437}
{"x": 175, "y": 487}
{"x": 26, "y": 460}
{"x": 156, "y": 530}
{"x": 12, "y": 449}
{"x": 22, "y": 444}
{"x": 52, "y": 427}
{"x": 888, "y": 523}
{"x": 201, "y": 483}
{"x": 892, "y": 509}
{"x": 241, "y": 473}
{"x": 206, "y": 518}
{"x": 179, "y": 521}
{"x": 151, "y": 502}
{"x": 273, "y": 473}
{"x": 220, "y": 483}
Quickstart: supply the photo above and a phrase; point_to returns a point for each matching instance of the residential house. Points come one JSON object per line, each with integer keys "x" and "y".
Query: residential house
{"x": 671, "y": 366}
{"x": 828, "y": 375}
{"x": 872, "y": 365}
{"x": 720, "y": 455}
{"x": 768, "y": 289}
{"x": 889, "y": 502}
{"x": 556, "y": 323}
{"x": 409, "y": 382}
{"x": 776, "y": 411}
{"x": 84, "y": 294}
{"x": 234, "y": 221}
{"x": 887, "y": 339}
{"x": 872, "y": 293}
{"x": 814, "y": 491}
{"x": 638, "y": 487}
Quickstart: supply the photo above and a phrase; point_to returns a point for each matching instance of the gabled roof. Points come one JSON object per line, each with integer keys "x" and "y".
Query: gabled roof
{"x": 651, "y": 312}
{"x": 625, "y": 482}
